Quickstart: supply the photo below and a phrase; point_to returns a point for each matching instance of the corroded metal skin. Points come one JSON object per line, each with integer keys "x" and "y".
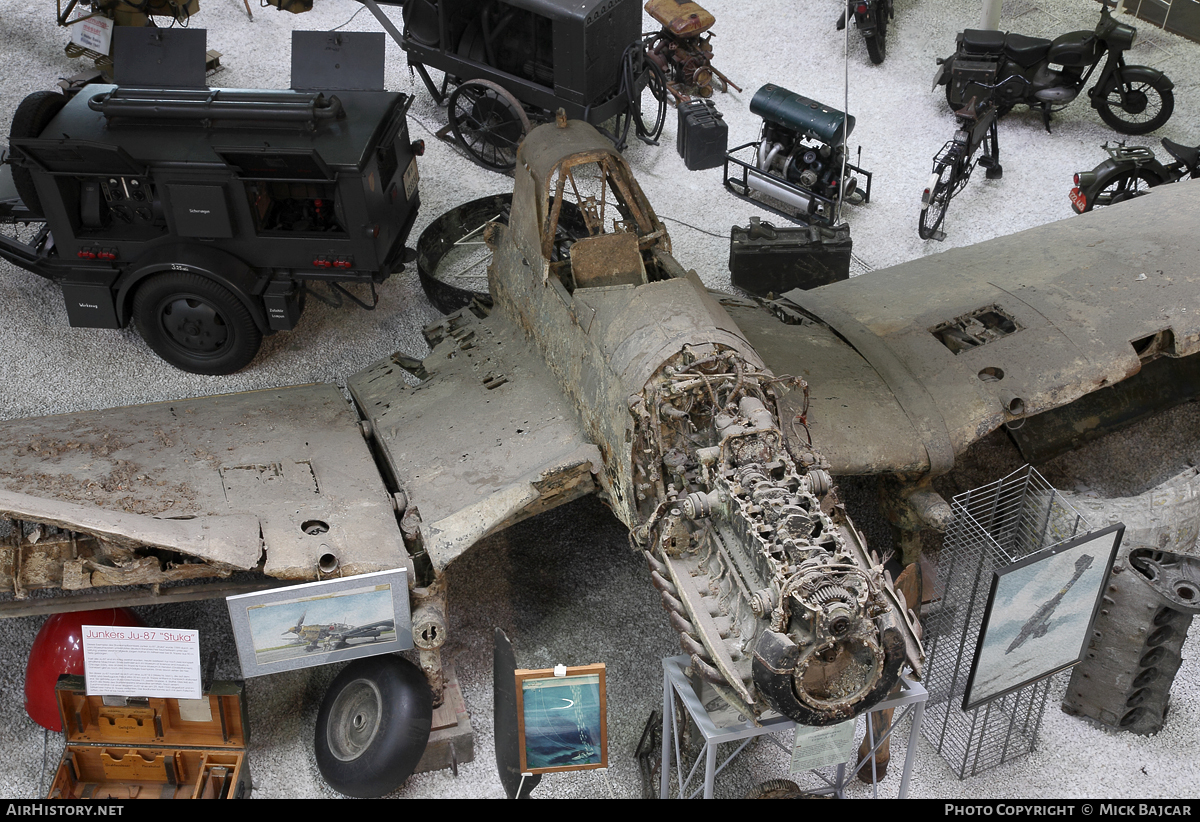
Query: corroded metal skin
{"x": 764, "y": 576}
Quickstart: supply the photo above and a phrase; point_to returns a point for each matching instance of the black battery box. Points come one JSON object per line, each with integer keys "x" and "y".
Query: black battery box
{"x": 702, "y": 137}
{"x": 767, "y": 260}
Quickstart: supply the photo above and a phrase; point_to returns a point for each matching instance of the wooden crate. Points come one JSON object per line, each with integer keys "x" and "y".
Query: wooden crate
{"x": 152, "y": 748}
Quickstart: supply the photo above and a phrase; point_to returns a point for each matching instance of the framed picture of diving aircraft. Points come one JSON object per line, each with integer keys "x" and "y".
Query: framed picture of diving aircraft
{"x": 1038, "y": 614}
{"x": 319, "y": 623}
{"x": 562, "y": 720}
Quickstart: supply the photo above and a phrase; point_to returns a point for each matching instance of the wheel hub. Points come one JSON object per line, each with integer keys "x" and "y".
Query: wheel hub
{"x": 495, "y": 124}
{"x": 194, "y": 324}
{"x": 354, "y": 720}
{"x": 1135, "y": 102}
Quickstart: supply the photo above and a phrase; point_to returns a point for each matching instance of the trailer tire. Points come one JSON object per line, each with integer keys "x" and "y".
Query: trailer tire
{"x": 195, "y": 324}
{"x": 30, "y": 120}
{"x": 373, "y": 726}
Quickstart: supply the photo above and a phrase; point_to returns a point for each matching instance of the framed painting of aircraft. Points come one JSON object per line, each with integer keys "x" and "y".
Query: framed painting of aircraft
{"x": 319, "y": 623}
{"x": 1038, "y": 614}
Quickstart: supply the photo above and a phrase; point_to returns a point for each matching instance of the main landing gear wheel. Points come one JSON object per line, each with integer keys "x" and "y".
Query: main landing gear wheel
{"x": 1136, "y": 107}
{"x": 30, "y": 120}
{"x": 195, "y": 324}
{"x": 373, "y": 726}
{"x": 488, "y": 122}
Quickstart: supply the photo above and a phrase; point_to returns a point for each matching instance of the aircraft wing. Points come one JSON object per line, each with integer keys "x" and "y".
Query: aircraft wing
{"x": 485, "y": 440}
{"x": 374, "y": 629}
{"x": 281, "y": 479}
{"x": 908, "y": 366}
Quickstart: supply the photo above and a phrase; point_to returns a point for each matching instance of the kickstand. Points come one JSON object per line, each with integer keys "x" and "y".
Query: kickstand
{"x": 1046, "y": 117}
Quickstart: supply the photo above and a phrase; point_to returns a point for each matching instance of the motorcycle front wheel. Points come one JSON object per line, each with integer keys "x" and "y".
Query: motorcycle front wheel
{"x": 1124, "y": 186}
{"x": 1136, "y": 106}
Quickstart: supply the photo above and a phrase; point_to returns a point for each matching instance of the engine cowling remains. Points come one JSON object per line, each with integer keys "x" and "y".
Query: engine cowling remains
{"x": 776, "y": 599}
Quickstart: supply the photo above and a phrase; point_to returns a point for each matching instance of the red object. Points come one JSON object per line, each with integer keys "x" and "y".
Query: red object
{"x": 1078, "y": 200}
{"x": 58, "y": 649}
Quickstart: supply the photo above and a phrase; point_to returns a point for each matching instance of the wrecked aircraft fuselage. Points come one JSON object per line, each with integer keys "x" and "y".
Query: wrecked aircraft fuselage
{"x": 771, "y": 588}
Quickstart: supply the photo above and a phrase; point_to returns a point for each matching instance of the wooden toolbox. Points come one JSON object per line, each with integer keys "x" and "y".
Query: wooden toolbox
{"x": 152, "y": 748}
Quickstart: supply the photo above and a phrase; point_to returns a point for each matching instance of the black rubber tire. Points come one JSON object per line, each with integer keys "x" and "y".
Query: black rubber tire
{"x": 373, "y": 726}
{"x": 195, "y": 324}
{"x": 877, "y": 40}
{"x": 1124, "y": 186}
{"x": 30, "y": 120}
{"x": 930, "y": 221}
{"x": 1153, "y": 109}
{"x": 488, "y": 123}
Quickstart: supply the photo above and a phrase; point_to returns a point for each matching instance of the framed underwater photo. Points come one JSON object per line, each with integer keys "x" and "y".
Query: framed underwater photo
{"x": 562, "y": 720}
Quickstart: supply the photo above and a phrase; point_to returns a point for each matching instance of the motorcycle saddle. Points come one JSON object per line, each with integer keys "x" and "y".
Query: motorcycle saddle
{"x": 1188, "y": 156}
{"x": 1022, "y": 50}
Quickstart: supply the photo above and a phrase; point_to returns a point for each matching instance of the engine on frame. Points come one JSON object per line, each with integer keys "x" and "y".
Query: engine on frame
{"x": 800, "y": 158}
{"x": 771, "y": 588}
{"x": 807, "y": 163}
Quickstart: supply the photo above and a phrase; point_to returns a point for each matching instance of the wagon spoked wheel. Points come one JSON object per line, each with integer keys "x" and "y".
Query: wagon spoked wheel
{"x": 488, "y": 122}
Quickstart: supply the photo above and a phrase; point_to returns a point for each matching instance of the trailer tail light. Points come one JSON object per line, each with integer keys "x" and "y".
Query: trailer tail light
{"x": 321, "y": 262}
{"x": 343, "y": 262}
{"x": 862, "y": 8}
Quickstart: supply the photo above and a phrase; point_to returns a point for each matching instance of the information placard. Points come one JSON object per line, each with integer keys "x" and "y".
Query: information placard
{"x": 136, "y": 661}
{"x": 92, "y": 32}
{"x": 817, "y": 747}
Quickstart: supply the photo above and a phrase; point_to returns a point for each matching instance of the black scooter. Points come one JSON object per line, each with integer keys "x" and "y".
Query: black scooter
{"x": 1131, "y": 171}
{"x": 871, "y": 17}
{"x": 1131, "y": 99}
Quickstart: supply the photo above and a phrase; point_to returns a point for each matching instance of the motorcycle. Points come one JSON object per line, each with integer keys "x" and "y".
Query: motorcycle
{"x": 1131, "y": 171}
{"x": 1130, "y": 99}
{"x": 871, "y": 18}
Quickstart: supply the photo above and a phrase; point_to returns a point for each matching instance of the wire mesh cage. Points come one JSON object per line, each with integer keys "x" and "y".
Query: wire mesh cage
{"x": 993, "y": 526}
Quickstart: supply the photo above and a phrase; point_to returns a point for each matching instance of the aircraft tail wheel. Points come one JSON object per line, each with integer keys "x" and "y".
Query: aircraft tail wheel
{"x": 373, "y": 726}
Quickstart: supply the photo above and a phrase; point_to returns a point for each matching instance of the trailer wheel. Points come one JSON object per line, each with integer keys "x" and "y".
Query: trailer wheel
{"x": 31, "y": 118}
{"x": 195, "y": 324}
{"x": 488, "y": 122}
{"x": 373, "y": 726}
